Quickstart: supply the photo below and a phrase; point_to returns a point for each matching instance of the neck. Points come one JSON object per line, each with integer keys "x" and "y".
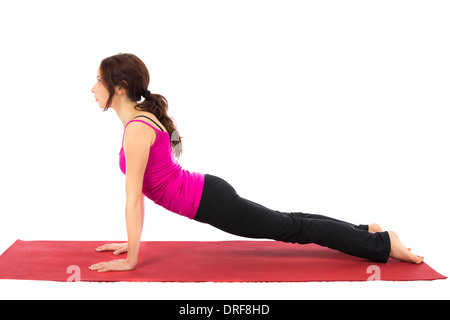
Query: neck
{"x": 126, "y": 111}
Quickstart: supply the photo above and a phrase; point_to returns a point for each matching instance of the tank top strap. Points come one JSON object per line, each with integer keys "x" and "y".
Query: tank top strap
{"x": 151, "y": 121}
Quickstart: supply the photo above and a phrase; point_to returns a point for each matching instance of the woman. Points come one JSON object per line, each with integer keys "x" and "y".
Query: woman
{"x": 147, "y": 158}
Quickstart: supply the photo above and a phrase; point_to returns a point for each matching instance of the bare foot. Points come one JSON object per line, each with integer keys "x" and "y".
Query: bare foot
{"x": 400, "y": 252}
{"x": 374, "y": 228}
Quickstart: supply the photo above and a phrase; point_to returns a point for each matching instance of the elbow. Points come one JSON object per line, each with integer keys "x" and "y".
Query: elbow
{"x": 133, "y": 205}
{"x": 135, "y": 201}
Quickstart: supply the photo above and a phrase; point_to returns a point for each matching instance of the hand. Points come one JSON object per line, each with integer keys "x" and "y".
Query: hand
{"x": 118, "y": 248}
{"x": 113, "y": 265}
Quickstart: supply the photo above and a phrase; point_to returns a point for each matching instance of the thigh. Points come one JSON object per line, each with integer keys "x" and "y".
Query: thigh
{"x": 223, "y": 208}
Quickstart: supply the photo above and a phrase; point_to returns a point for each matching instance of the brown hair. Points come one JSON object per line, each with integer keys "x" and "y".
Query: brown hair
{"x": 129, "y": 72}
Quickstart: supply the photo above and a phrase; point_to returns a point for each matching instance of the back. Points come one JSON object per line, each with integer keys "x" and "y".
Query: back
{"x": 165, "y": 181}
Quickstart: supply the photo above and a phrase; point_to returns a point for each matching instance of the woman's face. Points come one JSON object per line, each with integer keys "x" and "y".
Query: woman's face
{"x": 100, "y": 92}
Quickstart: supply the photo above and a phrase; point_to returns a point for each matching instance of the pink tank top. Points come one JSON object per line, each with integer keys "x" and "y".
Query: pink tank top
{"x": 165, "y": 181}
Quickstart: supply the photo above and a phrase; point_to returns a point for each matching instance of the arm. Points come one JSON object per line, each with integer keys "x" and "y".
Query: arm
{"x": 142, "y": 212}
{"x": 137, "y": 142}
{"x": 119, "y": 248}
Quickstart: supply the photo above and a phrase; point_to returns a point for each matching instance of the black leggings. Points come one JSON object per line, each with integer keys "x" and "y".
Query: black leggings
{"x": 223, "y": 208}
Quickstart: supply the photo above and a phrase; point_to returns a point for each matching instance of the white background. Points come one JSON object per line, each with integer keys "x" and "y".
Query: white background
{"x": 331, "y": 107}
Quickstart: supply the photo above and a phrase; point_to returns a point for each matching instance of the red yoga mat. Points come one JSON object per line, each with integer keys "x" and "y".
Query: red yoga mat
{"x": 197, "y": 261}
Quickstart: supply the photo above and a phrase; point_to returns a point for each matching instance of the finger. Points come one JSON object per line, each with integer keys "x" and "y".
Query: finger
{"x": 101, "y": 248}
{"x": 104, "y": 247}
{"x": 102, "y": 267}
{"x": 107, "y": 247}
{"x": 119, "y": 251}
{"x": 96, "y": 266}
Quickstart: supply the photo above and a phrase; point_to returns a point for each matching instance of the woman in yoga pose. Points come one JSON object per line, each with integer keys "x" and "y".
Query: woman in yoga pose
{"x": 149, "y": 146}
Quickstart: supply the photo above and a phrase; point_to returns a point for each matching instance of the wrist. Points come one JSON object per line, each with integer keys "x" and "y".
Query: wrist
{"x": 132, "y": 263}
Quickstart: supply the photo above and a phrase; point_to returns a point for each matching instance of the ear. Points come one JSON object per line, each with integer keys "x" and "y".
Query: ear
{"x": 120, "y": 90}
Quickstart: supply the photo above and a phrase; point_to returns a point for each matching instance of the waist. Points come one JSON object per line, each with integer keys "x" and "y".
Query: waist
{"x": 180, "y": 194}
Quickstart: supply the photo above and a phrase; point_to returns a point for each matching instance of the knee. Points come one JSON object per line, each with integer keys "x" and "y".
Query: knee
{"x": 290, "y": 228}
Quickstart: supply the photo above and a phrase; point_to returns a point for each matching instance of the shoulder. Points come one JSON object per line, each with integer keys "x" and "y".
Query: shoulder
{"x": 138, "y": 133}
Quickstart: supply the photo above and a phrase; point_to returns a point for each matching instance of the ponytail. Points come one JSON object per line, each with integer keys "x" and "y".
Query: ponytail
{"x": 157, "y": 105}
